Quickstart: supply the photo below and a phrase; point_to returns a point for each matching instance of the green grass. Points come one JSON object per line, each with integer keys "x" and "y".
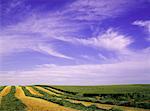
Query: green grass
{"x": 11, "y": 103}
{"x": 131, "y": 99}
{"x": 107, "y": 89}
{"x": 1, "y": 88}
{"x": 61, "y": 101}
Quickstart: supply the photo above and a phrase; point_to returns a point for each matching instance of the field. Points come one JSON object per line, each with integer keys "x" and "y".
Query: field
{"x": 75, "y": 98}
{"x": 110, "y": 89}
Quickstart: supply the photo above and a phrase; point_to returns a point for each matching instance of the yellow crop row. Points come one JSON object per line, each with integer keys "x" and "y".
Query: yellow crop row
{"x": 35, "y": 104}
{"x": 107, "y": 106}
{"x": 32, "y": 91}
{"x": 5, "y": 91}
{"x": 47, "y": 91}
{"x": 56, "y": 90}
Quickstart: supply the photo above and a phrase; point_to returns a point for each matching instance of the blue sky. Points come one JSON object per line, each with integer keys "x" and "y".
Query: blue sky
{"x": 74, "y": 42}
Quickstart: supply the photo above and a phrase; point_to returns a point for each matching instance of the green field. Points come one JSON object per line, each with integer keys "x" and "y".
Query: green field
{"x": 108, "y": 89}
{"x": 75, "y": 98}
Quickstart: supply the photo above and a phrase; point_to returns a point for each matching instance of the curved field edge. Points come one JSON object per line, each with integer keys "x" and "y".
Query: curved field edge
{"x": 111, "y": 99}
{"x": 103, "y": 106}
{"x": 37, "y": 104}
{"x": 32, "y": 91}
{"x": 10, "y": 103}
{"x": 47, "y": 91}
{"x": 61, "y": 101}
{"x": 108, "y": 106}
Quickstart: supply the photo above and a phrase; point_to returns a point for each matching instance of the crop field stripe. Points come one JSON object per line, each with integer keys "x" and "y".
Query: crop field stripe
{"x": 62, "y": 90}
{"x": 108, "y": 106}
{"x": 35, "y": 103}
{"x": 66, "y": 103}
{"x": 10, "y": 103}
{"x": 32, "y": 91}
{"x": 84, "y": 102}
{"x": 1, "y": 88}
{"x": 103, "y": 106}
{"x": 58, "y": 89}
{"x": 2, "y": 93}
{"x": 54, "y": 90}
{"x": 5, "y": 91}
{"x": 47, "y": 91}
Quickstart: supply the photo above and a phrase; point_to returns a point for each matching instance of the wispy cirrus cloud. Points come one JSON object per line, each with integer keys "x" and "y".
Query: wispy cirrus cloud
{"x": 75, "y": 31}
{"x": 145, "y": 24}
{"x": 96, "y": 10}
{"x": 110, "y": 40}
{"x": 24, "y": 43}
{"x": 51, "y": 51}
{"x": 123, "y": 72}
{"x": 35, "y": 30}
{"x": 34, "y": 34}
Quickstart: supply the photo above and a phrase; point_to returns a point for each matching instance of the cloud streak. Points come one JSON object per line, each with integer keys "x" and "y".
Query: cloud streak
{"x": 95, "y": 10}
{"x": 145, "y": 24}
{"x": 110, "y": 40}
{"x": 116, "y": 73}
{"x": 79, "y": 37}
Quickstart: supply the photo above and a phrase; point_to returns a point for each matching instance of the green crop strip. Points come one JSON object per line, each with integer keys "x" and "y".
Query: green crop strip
{"x": 113, "y": 99}
{"x": 2, "y": 87}
{"x": 62, "y": 101}
{"x": 11, "y": 103}
{"x": 127, "y": 99}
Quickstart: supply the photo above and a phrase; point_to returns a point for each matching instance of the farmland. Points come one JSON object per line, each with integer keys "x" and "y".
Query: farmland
{"x": 75, "y": 98}
{"x": 109, "y": 89}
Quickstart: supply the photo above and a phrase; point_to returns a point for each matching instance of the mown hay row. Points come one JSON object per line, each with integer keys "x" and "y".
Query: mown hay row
{"x": 56, "y": 90}
{"x": 36, "y": 104}
{"x": 99, "y": 105}
{"x": 5, "y": 91}
{"x": 107, "y": 106}
{"x": 47, "y": 91}
{"x": 61, "y": 101}
{"x": 34, "y": 92}
{"x": 11, "y": 103}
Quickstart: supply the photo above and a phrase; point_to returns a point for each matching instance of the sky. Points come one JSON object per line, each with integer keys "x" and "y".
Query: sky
{"x": 74, "y": 42}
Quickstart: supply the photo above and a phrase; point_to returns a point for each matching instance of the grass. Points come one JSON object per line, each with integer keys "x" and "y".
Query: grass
{"x": 107, "y": 89}
{"x": 107, "y": 106}
{"x": 82, "y": 98}
{"x": 45, "y": 90}
{"x": 62, "y": 101}
{"x": 122, "y": 95}
{"x": 34, "y": 92}
{"x": 37, "y": 104}
{"x": 11, "y": 103}
{"x": 1, "y": 88}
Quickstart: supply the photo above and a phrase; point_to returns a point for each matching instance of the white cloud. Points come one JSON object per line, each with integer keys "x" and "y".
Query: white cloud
{"x": 116, "y": 73}
{"x": 22, "y": 43}
{"x": 132, "y": 69}
{"x": 14, "y": 43}
{"x": 145, "y": 24}
{"x": 102, "y": 56}
{"x": 96, "y": 10}
{"x": 57, "y": 25}
{"x": 30, "y": 34}
{"x": 110, "y": 40}
{"x": 49, "y": 50}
